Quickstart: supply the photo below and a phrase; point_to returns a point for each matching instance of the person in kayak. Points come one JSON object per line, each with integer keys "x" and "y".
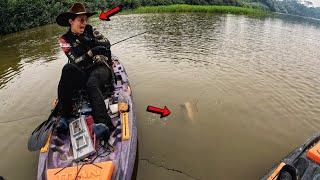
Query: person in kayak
{"x": 88, "y": 66}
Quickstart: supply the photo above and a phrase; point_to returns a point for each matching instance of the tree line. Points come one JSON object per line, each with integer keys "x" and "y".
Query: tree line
{"x": 17, "y": 15}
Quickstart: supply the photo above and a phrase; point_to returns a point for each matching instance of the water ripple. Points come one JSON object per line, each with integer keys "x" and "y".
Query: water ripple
{"x": 256, "y": 81}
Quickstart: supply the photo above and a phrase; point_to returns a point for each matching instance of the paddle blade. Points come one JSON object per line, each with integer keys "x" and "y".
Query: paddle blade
{"x": 39, "y": 136}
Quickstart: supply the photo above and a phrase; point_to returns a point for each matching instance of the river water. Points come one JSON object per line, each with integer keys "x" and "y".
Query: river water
{"x": 243, "y": 91}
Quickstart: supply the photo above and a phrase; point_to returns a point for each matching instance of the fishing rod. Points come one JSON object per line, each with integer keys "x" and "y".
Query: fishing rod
{"x": 129, "y": 38}
{"x": 105, "y": 16}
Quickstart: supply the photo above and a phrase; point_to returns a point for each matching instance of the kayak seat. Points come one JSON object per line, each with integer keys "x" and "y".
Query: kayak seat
{"x": 301, "y": 165}
{"x": 288, "y": 172}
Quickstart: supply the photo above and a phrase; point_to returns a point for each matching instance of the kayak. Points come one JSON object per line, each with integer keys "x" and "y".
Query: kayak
{"x": 79, "y": 154}
{"x": 301, "y": 163}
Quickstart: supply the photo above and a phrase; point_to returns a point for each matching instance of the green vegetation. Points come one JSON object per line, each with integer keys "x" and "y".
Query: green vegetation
{"x": 200, "y": 8}
{"x": 16, "y": 15}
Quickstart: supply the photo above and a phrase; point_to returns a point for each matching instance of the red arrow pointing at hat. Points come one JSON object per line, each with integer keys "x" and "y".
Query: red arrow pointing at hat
{"x": 108, "y": 14}
{"x": 164, "y": 112}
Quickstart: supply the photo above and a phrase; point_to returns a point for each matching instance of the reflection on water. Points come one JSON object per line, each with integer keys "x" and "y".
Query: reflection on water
{"x": 22, "y": 48}
{"x": 243, "y": 92}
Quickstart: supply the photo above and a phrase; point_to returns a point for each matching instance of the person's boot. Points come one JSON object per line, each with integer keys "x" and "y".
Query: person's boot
{"x": 62, "y": 127}
{"x": 101, "y": 131}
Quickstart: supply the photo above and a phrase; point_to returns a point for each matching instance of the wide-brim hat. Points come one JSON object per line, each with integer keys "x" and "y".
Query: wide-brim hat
{"x": 75, "y": 10}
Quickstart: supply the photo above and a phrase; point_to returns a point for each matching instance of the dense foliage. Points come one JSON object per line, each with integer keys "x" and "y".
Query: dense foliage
{"x": 17, "y": 15}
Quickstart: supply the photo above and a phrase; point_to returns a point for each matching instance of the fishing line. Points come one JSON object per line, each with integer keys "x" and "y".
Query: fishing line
{"x": 129, "y": 38}
{"x": 169, "y": 169}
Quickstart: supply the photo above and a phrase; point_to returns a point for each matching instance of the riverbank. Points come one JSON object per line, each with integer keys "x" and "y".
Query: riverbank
{"x": 179, "y": 8}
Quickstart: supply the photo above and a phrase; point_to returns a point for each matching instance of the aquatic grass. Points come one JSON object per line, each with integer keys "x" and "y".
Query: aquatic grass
{"x": 179, "y": 8}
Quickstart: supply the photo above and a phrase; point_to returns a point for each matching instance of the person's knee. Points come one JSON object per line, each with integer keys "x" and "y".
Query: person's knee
{"x": 99, "y": 78}
{"x": 92, "y": 83}
{"x": 69, "y": 68}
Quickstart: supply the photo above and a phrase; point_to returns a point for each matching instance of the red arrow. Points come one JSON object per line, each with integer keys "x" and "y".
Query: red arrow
{"x": 164, "y": 112}
{"x": 106, "y": 15}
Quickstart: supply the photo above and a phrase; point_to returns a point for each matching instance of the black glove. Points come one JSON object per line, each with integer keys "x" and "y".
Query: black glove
{"x": 104, "y": 42}
{"x": 101, "y": 39}
{"x": 93, "y": 42}
{"x": 100, "y": 50}
{"x": 90, "y": 42}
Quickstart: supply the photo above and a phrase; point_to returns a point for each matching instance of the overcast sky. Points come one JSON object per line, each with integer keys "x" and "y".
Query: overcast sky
{"x": 315, "y": 2}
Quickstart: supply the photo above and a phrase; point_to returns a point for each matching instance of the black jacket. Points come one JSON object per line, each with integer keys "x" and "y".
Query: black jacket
{"x": 76, "y": 49}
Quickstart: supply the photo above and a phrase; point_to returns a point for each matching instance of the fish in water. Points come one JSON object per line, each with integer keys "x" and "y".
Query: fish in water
{"x": 191, "y": 109}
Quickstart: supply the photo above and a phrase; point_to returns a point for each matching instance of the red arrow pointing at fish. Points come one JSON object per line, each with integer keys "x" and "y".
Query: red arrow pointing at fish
{"x": 164, "y": 112}
{"x": 106, "y": 15}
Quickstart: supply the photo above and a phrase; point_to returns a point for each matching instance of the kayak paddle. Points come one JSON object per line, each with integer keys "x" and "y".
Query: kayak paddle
{"x": 39, "y": 136}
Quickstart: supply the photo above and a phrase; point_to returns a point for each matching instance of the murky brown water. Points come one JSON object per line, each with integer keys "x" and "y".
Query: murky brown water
{"x": 253, "y": 86}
